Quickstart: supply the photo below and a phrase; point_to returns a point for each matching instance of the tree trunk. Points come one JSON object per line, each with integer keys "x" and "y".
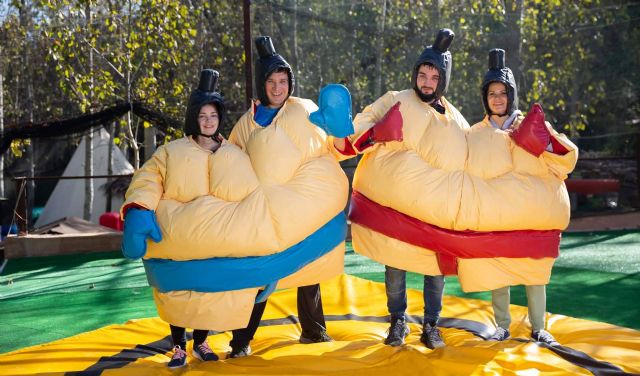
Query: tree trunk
{"x": 24, "y": 18}
{"x": 112, "y": 131}
{"x": 1, "y": 120}
{"x": 88, "y": 150}
{"x": 296, "y": 60}
{"x": 513, "y": 42}
{"x": 380, "y": 51}
{"x": 130, "y": 134}
{"x": 248, "y": 69}
{"x": 149, "y": 142}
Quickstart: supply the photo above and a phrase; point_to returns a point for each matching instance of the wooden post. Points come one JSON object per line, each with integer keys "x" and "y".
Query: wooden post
{"x": 638, "y": 169}
{"x": 22, "y": 207}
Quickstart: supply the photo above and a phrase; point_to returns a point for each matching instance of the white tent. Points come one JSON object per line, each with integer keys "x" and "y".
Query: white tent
{"x": 67, "y": 199}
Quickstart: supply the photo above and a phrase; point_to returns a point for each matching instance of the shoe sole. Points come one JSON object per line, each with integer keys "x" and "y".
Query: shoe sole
{"x": 433, "y": 347}
{"x": 197, "y": 356}
{"x": 394, "y": 343}
{"x": 238, "y": 356}
{"x": 306, "y": 341}
{"x": 498, "y": 339}
{"x": 180, "y": 366}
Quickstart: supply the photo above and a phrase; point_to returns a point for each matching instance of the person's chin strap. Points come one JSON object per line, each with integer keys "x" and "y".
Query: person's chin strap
{"x": 215, "y": 136}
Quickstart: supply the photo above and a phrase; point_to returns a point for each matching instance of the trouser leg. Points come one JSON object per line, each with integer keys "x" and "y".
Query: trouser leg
{"x": 243, "y": 336}
{"x": 199, "y": 336}
{"x": 500, "y": 299}
{"x": 395, "y": 283}
{"x": 178, "y": 336}
{"x": 537, "y": 304}
{"x": 310, "y": 312}
{"x": 433, "y": 292}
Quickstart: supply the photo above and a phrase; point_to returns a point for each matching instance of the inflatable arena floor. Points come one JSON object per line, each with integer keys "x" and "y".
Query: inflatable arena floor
{"x": 93, "y": 315}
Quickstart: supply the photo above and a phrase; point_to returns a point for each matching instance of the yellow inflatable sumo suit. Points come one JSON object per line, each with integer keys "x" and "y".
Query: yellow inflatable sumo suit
{"x": 447, "y": 191}
{"x": 506, "y": 188}
{"x": 261, "y": 199}
{"x": 420, "y": 177}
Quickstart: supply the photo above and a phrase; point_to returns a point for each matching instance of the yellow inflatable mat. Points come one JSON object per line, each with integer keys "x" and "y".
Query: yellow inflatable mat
{"x": 356, "y": 316}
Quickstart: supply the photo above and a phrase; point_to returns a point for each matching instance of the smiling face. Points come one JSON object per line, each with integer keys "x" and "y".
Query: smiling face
{"x": 208, "y": 120}
{"x": 277, "y": 88}
{"x": 427, "y": 79}
{"x": 497, "y": 98}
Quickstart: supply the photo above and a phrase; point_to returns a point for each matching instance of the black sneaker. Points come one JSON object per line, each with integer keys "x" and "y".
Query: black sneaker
{"x": 398, "y": 331}
{"x": 240, "y": 351}
{"x": 544, "y": 337}
{"x": 500, "y": 334}
{"x": 179, "y": 358}
{"x": 431, "y": 337}
{"x": 204, "y": 352}
{"x": 320, "y": 336}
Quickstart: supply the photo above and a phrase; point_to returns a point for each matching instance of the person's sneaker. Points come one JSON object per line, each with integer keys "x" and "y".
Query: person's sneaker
{"x": 500, "y": 334}
{"x": 204, "y": 352}
{"x": 431, "y": 337}
{"x": 179, "y": 358}
{"x": 544, "y": 337}
{"x": 240, "y": 351}
{"x": 320, "y": 336}
{"x": 398, "y": 331}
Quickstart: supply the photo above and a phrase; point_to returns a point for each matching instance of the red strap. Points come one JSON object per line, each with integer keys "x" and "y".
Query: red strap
{"x": 131, "y": 205}
{"x": 465, "y": 244}
{"x": 348, "y": 149}
{"x": 448, "y": 264}
{"x": 557, "y": 147}
{"x": 364, "y": 141}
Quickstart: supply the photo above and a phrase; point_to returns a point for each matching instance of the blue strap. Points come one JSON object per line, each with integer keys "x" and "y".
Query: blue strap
{"x": 264, "y": 294}
{"x": 264, "y": 115}
{"x": 235, "y": 273}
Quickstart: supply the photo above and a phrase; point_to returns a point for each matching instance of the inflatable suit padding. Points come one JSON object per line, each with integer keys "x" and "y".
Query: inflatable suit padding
{"x": 273, "y": 191}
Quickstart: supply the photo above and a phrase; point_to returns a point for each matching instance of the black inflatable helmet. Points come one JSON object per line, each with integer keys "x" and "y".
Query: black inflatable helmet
{"x": 268, "y": 62}
{"x": 498, "y": 72}
{"x": 439, "y": 56}
{"x": 205, "y": 94}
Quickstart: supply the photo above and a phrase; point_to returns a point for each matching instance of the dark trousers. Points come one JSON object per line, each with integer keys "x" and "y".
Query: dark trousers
{"x": 242, "y": 337}
{"x": 310, "y": 311}
{"x": 310, "y": 314}
{"x": 179, "y": 336}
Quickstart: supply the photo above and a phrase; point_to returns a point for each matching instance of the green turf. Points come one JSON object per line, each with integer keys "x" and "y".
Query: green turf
{"x": 597, "y": 277}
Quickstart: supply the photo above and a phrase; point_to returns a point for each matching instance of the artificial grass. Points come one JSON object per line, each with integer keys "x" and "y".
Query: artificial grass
{"x": 597, "y": 277}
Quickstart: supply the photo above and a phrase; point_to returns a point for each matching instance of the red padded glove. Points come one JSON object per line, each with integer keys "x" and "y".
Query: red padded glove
{"x": 532, "y": 135}
{"x": 389, "y": 128}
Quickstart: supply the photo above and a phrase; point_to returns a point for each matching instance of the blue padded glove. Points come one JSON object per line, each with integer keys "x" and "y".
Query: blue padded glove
{"x": 139, "y": 224}
{"x": 334, "y": 115}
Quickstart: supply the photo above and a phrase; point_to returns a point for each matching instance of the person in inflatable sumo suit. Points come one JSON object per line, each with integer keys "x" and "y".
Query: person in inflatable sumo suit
{"x": 204, "y": 115}
{"x": 413, "y": 142}
{"x": 279, "y": 121}
{"x": 542, "y": 158}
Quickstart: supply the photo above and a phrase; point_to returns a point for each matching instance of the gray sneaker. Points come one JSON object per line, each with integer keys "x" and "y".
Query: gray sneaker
{"x": 544, "y": 337}
{"x": 317, "y": 337}
{"x": 431, "y": 337}
{"x": 398, "y": 331}
{"x": 239, "y": 351}
{"x": 501, "y": 334}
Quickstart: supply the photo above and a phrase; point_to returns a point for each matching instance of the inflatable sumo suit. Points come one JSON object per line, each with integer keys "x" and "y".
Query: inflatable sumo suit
{"x": 239, "y": 220}
{"x": 303, "y": 181}
{"x": 516, "y": 191}
{"x": 448, "y": 199}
